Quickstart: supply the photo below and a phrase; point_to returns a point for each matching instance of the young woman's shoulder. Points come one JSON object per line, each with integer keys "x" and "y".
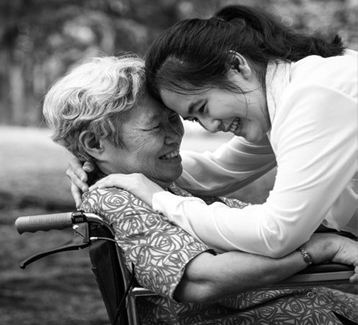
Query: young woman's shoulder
{"x": 339, "y": 73}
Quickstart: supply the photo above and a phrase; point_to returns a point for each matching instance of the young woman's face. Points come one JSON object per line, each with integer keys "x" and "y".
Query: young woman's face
{"x": 243, "y": 114}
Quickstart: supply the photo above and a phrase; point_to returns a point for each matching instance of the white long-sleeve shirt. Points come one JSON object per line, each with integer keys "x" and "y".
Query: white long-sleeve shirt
{"x": 314, "y": 136}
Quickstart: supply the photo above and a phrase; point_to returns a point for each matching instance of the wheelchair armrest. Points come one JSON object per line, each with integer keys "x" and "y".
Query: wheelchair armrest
{"x": 322, "y": 273}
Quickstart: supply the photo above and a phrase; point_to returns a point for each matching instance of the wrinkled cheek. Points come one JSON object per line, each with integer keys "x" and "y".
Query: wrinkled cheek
{"x": 181, "y": 130}
{"x": 138, "y": 142}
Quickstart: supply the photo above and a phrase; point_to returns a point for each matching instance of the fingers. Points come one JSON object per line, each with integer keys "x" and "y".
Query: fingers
{"x": 96, "y": 185}
{"x": 76, "y": 175}
{"x": 77, "y": 195}
{"x": 88, "y": 167}
{"x": 114, "y": 180}
{"x": 129, "y": 182}
{"x": 138, "y": 184}
{"x": 75, "y": 164}
{"x": 78, "y": 179}
{"x": 354, "y": 277}
{"x": 76, "y": 169}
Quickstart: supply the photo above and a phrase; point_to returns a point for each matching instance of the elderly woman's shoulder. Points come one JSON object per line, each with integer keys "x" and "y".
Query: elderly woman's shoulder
{"x": 111, "y": 199}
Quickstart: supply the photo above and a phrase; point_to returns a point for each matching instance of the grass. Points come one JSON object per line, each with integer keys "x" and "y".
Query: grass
{"x": 59, "y": 289}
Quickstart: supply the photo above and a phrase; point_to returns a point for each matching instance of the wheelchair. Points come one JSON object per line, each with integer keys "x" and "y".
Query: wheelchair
{"x": 116, "y": 283}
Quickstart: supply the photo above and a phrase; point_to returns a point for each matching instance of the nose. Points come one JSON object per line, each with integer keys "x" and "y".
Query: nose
{"x": 173, "y": 133}
{"x": 210, "y": 124}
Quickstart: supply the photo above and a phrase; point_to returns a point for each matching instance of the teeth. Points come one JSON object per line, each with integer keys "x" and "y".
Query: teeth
{"x": 171, "y": 155}
{"x": 235, "y": 125}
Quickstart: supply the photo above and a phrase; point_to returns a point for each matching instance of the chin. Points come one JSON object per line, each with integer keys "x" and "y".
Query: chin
{"x": 166, "y": 181}
{"x": 169, "y": 176}
{"x": 254, "y": 138}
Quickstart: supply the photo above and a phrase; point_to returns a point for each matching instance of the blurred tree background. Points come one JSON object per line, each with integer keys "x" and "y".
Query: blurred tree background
{"x": 41, "y": 39}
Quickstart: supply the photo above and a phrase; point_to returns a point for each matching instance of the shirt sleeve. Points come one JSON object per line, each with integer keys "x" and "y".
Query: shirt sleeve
{"x": 158, "y": 249}
{"x": 316, "y": 146}
{"x": 232, "y": 166}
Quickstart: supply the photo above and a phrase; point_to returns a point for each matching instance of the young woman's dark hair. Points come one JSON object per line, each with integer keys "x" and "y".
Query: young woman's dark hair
{"x": 197, "y": 53}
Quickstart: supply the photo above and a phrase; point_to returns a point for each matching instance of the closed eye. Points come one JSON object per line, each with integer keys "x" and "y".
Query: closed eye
{"x": 191, "y": 119}
{"x": 202, "y": 109}
{"x": 154, "y": 127}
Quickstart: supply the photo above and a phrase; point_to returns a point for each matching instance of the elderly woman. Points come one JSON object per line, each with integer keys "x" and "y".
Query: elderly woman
{"x": 101, "y": 112}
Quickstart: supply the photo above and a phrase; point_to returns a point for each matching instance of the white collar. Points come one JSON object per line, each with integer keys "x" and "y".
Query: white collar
{"x": 278, "y": 75}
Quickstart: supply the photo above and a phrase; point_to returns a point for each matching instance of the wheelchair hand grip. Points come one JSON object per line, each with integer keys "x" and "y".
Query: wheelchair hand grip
{"x": 44, "y": 222}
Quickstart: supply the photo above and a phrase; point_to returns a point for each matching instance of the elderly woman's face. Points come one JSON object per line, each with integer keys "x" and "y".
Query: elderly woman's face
{"x": 151, "y": 135}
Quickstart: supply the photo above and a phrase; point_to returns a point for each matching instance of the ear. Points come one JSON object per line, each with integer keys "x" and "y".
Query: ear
{"x": 240, "y": 64}
{"x": 91, "y": 144}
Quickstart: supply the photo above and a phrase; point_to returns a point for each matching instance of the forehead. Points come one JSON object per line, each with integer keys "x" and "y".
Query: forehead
{"x": 188, "y": 104}
{"x": 147, "y": 111}
{"x": 179, "y": 102}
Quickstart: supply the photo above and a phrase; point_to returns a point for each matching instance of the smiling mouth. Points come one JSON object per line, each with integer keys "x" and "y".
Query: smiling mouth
{"x": 170, "y": 155}
{"x": 234, "y": 125}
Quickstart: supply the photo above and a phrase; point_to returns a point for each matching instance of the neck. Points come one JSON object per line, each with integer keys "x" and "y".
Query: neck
{"x": 163, "y": 185}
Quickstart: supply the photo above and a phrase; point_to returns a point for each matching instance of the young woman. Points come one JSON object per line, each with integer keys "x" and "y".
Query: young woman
{"x": 243, "y": 72}
{"x": 101, "y": 112}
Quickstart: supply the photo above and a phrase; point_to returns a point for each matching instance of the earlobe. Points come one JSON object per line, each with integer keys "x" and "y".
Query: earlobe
{"x": 91, "y": 144}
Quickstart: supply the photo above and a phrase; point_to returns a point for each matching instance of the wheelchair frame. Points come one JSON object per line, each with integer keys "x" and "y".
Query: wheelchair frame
{"x": 116, "y": 283}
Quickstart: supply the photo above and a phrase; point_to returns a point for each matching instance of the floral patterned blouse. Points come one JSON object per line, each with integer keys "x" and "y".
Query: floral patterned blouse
{"x": 159, "y": 250}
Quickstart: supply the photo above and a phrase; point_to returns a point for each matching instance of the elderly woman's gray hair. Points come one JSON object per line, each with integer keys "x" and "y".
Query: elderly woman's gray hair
{"x": 90, "y": 97}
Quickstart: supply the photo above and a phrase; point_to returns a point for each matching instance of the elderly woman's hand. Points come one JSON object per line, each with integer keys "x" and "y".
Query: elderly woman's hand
{"x": 335, "y": 248}
{"x": 79, "y": 178}
{"x": 136, "y": 183}
{"x": 347, "y": 253}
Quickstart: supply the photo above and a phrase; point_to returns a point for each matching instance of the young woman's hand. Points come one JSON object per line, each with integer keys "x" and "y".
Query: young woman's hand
{"x": 79, "y": 178}
{"x": 136, "y": 183}
{"x": 334, "y": 248}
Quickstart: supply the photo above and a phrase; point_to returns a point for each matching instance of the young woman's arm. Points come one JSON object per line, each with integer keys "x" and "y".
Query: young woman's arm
{"x": 172, "y": 263}
{"x": 314, "y": 136}
{"x": 316, "y": 147}
{"x": 232, "y": 166}
{"x": 210, "y": 277}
